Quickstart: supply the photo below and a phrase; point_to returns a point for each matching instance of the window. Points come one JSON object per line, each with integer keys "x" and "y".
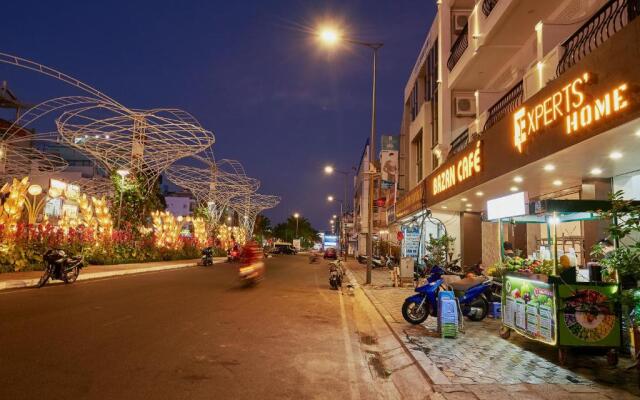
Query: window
{"x": 418, "y": 152}
{"x": 434, "y": 120}
{"x": 434, "y": 162}
{"x": 431, "y": 76}
{"x": 414, "y": 101}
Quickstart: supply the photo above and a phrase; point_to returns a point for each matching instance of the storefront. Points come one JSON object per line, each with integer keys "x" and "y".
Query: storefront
{"x": 578, "y": 138}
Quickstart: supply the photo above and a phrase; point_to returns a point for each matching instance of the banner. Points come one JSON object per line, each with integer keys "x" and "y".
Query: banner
{"x": 389, "y": 168}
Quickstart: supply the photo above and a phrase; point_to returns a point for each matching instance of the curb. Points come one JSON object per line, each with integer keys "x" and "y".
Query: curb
{"x": 385, "y": 316}
{"x": 30, "y": 283}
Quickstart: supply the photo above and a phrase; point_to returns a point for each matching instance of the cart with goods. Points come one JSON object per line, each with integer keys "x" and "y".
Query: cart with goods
{"x": 549, "y": 297}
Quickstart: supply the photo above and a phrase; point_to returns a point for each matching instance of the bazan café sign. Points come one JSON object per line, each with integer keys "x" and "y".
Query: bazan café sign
{"x": 469, "y": 165}
{"x": 571, "y": 105}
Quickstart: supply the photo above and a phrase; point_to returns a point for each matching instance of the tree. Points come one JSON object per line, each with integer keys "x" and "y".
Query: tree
{"x": 286, "y": 231}
{"x": 262, "y": 227}
{"x": 136, "y": 205}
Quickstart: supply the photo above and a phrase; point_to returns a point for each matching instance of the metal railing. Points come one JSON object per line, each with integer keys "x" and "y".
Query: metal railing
{"x": 611, "y": 18}
{"x": 487, "y": 6}
{"x": 458, "y": 48}
{"x": 507, "y": 104}
{"x": 459, "y": 143}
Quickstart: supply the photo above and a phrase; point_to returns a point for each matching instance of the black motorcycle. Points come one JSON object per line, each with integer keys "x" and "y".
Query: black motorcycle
{"x": 58, "y": 265}
{"x": 207, "y": 257}
{"x": 336, "y": 274}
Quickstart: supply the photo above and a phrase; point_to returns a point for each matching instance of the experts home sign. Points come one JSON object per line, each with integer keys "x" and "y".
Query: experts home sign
{"x": 572, "y": 106}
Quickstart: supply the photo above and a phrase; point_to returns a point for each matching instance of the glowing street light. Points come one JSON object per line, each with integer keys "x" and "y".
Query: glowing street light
{"x": 330, "y": 198}
{"x": 296, "y": 216}
{"x": 328, "y": 169}
{"x": 329, "y": 35}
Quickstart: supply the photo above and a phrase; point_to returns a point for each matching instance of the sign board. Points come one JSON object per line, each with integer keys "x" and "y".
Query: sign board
{"x": 513, "y": 205}
{"x": 296, "y": 244}
{"x": 528, "y": 307}
{"x": 389, "y": 143}
{"x": 389, "y": 168}
{"x": 571, "y": 105}
{"x": 330, "y": 241}
{"x": 411, "y": 242}
{"x": 411, "y": 202}
{"x": 449, "y": 176}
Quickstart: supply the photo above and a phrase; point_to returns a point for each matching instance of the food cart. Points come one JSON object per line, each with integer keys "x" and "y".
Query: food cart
{"x": 549, "y": 302}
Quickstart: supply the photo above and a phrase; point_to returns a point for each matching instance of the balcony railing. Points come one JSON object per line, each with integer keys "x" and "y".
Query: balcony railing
{"x": 611, "y": 18}
{"x": 459, "y": 143}
{"x": 458, "y": 48}
{"x": 487, "y": 6}
{"x": 507, "y": 104}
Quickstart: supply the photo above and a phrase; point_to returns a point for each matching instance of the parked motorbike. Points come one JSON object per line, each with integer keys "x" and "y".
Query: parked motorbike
{"x": 336, "y": 274}
{"x": 252, "y": 274}
{"x": 473, "y": 295}
{"x": 207, "y": 256}
{"x": 362, "y": 259}
{"x": 58, "y": 265}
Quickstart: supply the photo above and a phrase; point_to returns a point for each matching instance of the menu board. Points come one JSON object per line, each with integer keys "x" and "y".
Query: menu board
{"x": 528, "y": 308}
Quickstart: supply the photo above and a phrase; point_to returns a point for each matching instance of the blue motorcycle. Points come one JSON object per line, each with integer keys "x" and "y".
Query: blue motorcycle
{"x": 473, "y": 295}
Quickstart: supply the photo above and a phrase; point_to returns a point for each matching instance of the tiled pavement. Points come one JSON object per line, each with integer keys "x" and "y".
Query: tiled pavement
{"x": 479, "y": 364}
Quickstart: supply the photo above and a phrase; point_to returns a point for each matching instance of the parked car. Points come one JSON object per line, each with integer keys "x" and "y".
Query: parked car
{"x": 330, "y": 254}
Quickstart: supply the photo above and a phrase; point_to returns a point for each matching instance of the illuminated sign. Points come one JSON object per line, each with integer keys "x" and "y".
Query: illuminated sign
{"x": 512, "y": 205}
{"x": 469, "y": 165}
{"x": 569, "y": 103}
{"x": 411, "y": 202}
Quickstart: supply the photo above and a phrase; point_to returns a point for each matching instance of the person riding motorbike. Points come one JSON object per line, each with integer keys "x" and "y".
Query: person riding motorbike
{"x": 251, "y": 256}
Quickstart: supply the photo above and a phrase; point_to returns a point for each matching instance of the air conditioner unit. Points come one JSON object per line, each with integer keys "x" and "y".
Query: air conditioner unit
{"x": 459, "y": 19}
{"x": 465, "y": 105}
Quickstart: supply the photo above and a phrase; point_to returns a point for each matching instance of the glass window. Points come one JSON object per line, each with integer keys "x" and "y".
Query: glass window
{"x": 419, "y": 158}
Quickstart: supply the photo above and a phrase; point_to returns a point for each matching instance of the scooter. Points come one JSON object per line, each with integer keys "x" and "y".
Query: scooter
{"x": 207, "y": 257}
{"x": 336, "y": 274}
{"x": 233, "y": 255}
{"x": 473, "y": 295}
{"x": 251, "y": 274}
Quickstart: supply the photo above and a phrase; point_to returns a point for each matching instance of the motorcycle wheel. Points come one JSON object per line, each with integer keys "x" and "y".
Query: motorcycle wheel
{"x": 43, "y": 279}
{"x": 71, "y": 276}
{"x": 481, "y": 308}
{"x": 413, "y": 316}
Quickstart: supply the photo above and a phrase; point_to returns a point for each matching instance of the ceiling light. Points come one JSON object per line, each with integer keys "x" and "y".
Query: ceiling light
{"x": 468, "y": 210}
{"x": 549, "y": 167}
{"x": 463, "y": 199}
{"x": 615, "y": 155}
{"x": 557, "y": 182}
{"x": 444, "y": 207}
{"x": 479, "y": 194}
{"x": 596, "y": 171}
{"x": 469, "y": 205}
{"x": 517, "y": 179}
{"x": 514, "y": 188}
{"x": 638, "y": 133}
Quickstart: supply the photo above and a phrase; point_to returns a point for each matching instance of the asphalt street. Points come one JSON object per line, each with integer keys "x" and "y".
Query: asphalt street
{"x": 193, "y": 333}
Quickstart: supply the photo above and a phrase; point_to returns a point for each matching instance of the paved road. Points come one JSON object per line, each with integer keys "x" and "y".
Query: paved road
{"x": 185, "y": 334}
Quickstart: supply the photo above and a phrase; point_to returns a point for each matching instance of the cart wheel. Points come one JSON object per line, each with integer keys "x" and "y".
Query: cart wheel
{"x": 612, "y": 357}
{"x": 505, "y": 332}
{"x": 563, "y": 355}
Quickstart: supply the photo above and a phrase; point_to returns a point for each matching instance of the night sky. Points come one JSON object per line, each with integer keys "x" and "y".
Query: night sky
{"x": 248, "y": 70}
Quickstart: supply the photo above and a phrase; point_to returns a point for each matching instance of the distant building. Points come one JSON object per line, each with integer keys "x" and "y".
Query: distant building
{"x": 180, "y": 203}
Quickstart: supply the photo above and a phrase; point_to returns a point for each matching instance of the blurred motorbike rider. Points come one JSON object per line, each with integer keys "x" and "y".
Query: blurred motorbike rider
{"x": 252, "y": 255}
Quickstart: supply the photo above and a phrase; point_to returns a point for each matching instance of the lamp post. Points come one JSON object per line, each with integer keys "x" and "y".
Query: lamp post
{"x": 296, "y": 216}
{"x": 331, "y": 36}
{"x": 330, "y": 170}
{"x": 123, "y": 174}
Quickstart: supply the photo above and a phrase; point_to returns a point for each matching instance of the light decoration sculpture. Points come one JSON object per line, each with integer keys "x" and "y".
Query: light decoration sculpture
{"x": 214, "y": 184}
{"x": 13, "y": 206}
{"x": 102, "y": 216}
{"x": 166, "y": 228}
{"x": 97, "y": 186}
{"x": 249, "y": 206}
{"x": 145, "y": 142}
{"x": 200, "y": 230}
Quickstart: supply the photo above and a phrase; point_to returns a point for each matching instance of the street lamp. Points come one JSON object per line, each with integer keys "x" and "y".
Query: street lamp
{"x": 296, "y": 216}
{"x": 330, "y": 36}
{"x": 123, "y": 174}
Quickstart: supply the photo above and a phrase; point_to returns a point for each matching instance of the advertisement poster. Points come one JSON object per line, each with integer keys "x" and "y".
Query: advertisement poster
{"x": 389, "y": 168}
{"x": 411, "y": 242}
{"x": 528, "y": 308}
{"x": 588, "y": 316}
{"x": 330, "y": 241}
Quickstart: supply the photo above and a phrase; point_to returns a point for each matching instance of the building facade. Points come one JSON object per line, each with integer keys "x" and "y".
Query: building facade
{"x": 518, "y": 96}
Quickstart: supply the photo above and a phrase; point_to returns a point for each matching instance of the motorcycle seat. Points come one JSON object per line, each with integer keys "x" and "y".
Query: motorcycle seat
{"x": 465, "y": 284}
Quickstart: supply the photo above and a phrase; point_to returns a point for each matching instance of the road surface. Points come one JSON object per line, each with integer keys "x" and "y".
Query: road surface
{"x": 186, "y": 334}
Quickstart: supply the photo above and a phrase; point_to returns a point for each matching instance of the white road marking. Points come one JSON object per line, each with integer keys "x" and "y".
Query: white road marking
{"x": 353, "y": 382}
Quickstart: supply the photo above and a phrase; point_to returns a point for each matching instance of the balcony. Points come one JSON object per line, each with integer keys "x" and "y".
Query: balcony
{"x": 458, "y": 48}
{"x": 611, "y": 18}
{"x": 488, "y": 6}
{"x": 506, "y": 105}
{"x": 459, "y": 143}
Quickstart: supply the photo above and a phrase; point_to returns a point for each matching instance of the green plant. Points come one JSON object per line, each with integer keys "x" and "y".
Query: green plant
{"x": 439, "y": 249}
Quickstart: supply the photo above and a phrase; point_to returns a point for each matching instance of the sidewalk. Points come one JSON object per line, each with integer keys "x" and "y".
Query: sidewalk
{"x": 480, "y": 365}
{"x": 16, "y": 280}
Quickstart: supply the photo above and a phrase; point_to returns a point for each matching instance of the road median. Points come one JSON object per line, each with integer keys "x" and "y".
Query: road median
{"x": 19, "y": 280}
